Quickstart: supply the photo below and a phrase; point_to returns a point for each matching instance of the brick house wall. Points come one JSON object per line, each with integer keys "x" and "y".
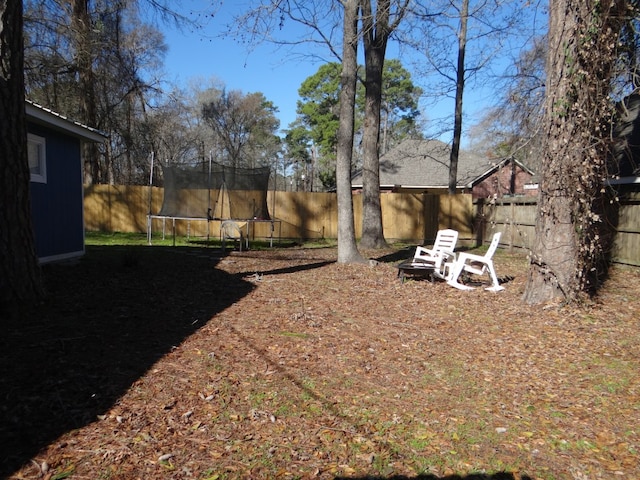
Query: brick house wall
{"x": 508, "y": 180}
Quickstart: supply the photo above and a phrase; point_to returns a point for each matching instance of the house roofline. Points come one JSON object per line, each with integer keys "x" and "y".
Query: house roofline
{"x": 414, "y": 187}
{"x": 499, "y": 165}
{"x": 623, "y": 181}
{"x": 44, "y": 116}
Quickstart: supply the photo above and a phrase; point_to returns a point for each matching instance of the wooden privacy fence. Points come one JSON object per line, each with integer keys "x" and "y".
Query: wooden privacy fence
{"x": 301, "y": 215}
{"x": 516, "y": 218}
{"x": 407, "y": 217}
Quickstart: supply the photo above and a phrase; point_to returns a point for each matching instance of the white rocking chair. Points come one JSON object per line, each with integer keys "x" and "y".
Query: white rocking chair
{"x": 441, "y": 253}
{"x": 476, "y": 265}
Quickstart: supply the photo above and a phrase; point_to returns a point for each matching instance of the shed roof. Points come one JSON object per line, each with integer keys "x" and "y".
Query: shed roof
{"x": 44, "y": 116}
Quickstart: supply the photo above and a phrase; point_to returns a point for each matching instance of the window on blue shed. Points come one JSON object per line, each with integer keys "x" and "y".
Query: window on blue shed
{"x": 37, "y": 158}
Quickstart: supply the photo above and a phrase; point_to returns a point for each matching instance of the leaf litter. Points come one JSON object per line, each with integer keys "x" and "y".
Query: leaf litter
{"x": 285, "y": 364}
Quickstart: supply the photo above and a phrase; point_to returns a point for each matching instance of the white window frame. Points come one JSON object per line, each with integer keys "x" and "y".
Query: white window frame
{"x": 37, "y": 146}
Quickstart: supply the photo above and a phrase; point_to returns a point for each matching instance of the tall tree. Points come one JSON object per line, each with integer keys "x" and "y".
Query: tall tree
{"x": 96, "y": 62}
{"x": 568, "y": 257}
{"x": 481, "y": 30}
{"x": 318, "y": 110}
{"x": 173, "y": 132}
{"x": 243, "y": 124}
{"x": 20, "y": 278}
{"x": 126, "y": 89}
{"x": 457, "y": 114}
{"x": 400, "y": 99}
{"x": 321, "y": 19}
{"x": 378, "y": 22}
{"x": 347, "y": 248}
{"x": 299, "y": 147}
{"x": 84, "y": 46}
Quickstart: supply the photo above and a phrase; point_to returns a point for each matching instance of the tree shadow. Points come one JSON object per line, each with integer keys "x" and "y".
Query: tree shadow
{"x": 404, "y": 254}
{"x": 106, "y": 320}
{"x": 330, "y": 406}
{"x": 291, "y": 269}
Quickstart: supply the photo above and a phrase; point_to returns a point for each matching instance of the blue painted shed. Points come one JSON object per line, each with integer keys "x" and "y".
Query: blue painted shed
{"x": 57, "y": 196}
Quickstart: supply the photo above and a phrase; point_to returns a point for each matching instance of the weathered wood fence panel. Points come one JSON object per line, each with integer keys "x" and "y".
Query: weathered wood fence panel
{"x": 515, "y": 217}
{"x": 300, "y": 215}
{"x": 119, "y": 208}
{"x": 626, "y": 248}
{"x": 305, "y": 215}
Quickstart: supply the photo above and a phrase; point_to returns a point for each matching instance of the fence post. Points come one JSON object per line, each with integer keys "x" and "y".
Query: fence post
{"x": 511, "y": 224}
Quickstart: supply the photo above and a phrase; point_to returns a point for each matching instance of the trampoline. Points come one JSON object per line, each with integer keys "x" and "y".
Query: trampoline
{"x": 206, "y": 191}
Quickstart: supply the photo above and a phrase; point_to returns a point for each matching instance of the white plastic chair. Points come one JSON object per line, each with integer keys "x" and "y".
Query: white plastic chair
{"x": 476, "y": 265}
{"x": 441, "y": 253}
{"x": 231, "y": 230}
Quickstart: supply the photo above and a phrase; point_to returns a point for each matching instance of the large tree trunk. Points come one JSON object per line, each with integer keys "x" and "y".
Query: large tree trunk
{"x": 372, "y": 231}
{"x": 347, "y": 248}
{"x": 20, "y": 278}
{"x": 375, "y": 36}
{"x": 460, "y": 75}
{"x": 568, "y": 258}
{"x": 82, "y": 39}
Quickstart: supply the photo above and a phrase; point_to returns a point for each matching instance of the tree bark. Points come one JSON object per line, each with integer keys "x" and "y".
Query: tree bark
{"x": 20, "y": 278}
{"x": 347, "y": 248}
{"x": 568, "y": 260}
{"x": 375, "y": 36}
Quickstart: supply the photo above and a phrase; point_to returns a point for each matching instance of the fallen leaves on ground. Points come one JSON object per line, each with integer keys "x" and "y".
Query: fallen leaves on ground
{"x": 181, "y": 363}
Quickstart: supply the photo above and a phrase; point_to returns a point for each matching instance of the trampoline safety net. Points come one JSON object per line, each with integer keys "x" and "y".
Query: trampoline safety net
{"x": 212, "y": 191}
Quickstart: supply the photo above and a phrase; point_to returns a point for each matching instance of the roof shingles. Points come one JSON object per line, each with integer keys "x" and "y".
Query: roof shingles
{"x": 425, "y": 164}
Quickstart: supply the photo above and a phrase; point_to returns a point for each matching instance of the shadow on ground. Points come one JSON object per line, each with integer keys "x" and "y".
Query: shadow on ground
{"x": 107, "y": 319}
{"x": 292, "y": 269}
{"x": 400, "y": 255}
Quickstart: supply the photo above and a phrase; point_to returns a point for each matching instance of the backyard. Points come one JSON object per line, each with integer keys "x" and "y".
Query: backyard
{"x": 179, "y": 362}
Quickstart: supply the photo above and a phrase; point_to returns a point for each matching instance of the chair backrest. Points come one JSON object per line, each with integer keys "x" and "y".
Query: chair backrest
{"x": 493, "y": 245}
{"x": 230, "y": 229}
{"x": 445, "y": 240}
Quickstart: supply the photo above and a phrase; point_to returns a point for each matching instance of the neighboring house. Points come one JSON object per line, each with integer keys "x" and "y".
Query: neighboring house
{"x": 55, "y": 162}
{"x": 625, "y": 169}
{"x": 509, "y": 177}
{"x": 423, "y": 166}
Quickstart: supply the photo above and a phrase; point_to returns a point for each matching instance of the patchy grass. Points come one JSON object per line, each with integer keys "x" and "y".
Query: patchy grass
{"x": 140, "y": 239}
{"x": 179, "y": 362}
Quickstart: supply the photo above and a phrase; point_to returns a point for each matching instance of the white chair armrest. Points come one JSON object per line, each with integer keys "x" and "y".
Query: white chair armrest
{"x": 423, "y": 252}
{"x": 474, "y": 263}
{"x": 448, "y": 255}
{"x": 463, "y": 257}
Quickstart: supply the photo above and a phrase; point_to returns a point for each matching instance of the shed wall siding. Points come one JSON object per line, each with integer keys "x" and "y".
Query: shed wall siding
{"x": 56, "y": 206}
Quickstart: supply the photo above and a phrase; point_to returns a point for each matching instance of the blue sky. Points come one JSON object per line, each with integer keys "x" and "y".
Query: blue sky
{"x": 204, "y": 55}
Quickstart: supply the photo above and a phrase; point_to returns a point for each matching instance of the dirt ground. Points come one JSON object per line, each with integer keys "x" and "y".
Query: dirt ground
{"x": 180, "y": 363}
